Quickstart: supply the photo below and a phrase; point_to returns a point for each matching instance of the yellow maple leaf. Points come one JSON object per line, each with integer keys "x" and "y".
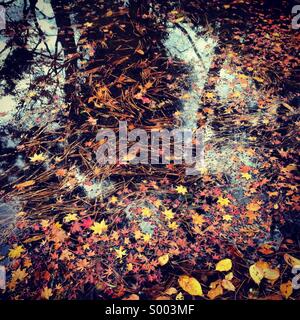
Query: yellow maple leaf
{"x": 259, "y": 79}
{"x": 210, "y": 95}
{"x": 157, "y": 203}
{"x": 146, "y": 212}
{"x": 120, "y": 252}
{"x": 227, "y": 217}
{"x": 190, "y": 285}
{"x": 137, "y": 234}
{"x": 198, "y": 219}
{"x": 181, "y": 190}
{"x": 16, "y": 252}
{"x": 185, "y": 96}
{"x": 45, "y": 223}
{"x": 163, "y": 259}
{"x": 70, "y": 217}
{"x": 113, "y": 199}
{"x": 19, "y": 275}
{"x": 246, "y": 175}
{"x": 46, "y": 293}
{"x": 169, "y": 214}
{"x": 173, "y": 225}
{"x": 223, "y": 201}
{"x": 37, "y": 158}
{"x": 253, "y": 206}
{"x": 99, "y": 228}
{"x": 146, "y": 237}
{"x": 224, "y": 265}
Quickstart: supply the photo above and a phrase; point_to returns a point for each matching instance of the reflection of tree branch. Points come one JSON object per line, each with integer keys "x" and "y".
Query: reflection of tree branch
{"x": 192, "y": 43}
{"x": 40, "y": 32}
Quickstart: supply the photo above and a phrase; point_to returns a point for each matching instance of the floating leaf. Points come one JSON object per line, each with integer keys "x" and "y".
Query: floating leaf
{"x": 286, "y": 289}
{"x": 163, "y": 259}
{"x": 16, "y": 252}
{"x": 291, "y": 261}
{"x": 46, "y": 293}
{"x": 37, "y": 158}
{"x": 271, "y": 274}
{"x": 171, "y": 291}
{"x": 190, "y": 285}
{"x": 35, "y": 238}
{"x": 216, "y": 291}
{"x": 256, "y": 274}
{"x": 224, "y": 265}
{"x": 228, "y": 285}
{"x": 179, "y": 296}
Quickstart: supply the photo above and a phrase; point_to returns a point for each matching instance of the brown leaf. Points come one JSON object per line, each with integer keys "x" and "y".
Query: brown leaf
{"x": 25, "y": 184}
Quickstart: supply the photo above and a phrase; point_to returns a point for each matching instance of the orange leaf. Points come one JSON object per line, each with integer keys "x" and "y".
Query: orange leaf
{"x": 286, "y": 289}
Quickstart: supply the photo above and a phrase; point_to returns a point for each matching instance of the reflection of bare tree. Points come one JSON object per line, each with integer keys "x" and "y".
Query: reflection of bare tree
{"x": 67, "y": 40}
{"x": 21, "y": 57}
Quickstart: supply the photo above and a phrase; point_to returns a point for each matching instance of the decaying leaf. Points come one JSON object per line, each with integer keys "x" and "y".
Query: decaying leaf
{"x": 286, "y": 289}
{"x": 25, "y": 184}
{"x": 291, "y": 261}
{"x": 216, "y": 290}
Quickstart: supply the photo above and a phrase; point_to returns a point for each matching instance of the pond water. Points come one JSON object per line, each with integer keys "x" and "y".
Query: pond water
{"x": 37, "y": 78}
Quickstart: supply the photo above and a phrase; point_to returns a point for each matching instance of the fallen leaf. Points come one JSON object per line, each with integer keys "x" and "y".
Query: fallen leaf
{"x": 253, "y": 206}
{"x": 99, "y": 228}
{"x": 163, "y": 298}
{"x": 286, "y": 289}
{"x": 16, "y": 252}
{"x": 37, "y": 158}
{"x": 132, "y": 297}
{"x": 228, "y": 285}
{"x": 256, "y": 274}
{"x": 190, "y": 285}
{"x": 291, "y": 261}
{"x": 46, "y": 293}
{"x": 224, "y": 265}
{"x": 179, "y": 296}
{"x": 181, "y": 190}
{"x": 32, "y": 239}
{"x": 223, "y": 201}
{"x": 215, "y": 292}
{"x": 171, "y": 291}
{"x": 25, "y": 184}
{"x": 163, "y": 259}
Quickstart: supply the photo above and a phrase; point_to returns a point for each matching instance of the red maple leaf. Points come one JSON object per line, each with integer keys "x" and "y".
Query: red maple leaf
{"x": 87, "y": 222}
